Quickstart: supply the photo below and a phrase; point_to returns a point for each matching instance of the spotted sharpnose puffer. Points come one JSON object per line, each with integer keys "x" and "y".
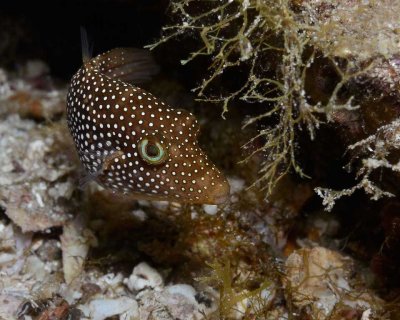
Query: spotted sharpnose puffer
{"x": 132, "y": 143}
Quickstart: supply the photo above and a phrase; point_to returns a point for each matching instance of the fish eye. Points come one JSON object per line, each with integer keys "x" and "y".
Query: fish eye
{"x": 152, "y": 151}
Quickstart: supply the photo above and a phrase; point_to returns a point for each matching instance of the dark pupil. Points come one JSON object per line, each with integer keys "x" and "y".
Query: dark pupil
{"x": 152, "y": 150}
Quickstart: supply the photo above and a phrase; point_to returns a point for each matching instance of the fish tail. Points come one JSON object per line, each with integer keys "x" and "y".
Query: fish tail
{"x": 128, "y": 64}
{"x": 86, "y": 47}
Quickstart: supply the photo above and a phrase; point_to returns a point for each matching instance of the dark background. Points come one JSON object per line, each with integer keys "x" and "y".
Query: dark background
{"x": 50, "y": 31}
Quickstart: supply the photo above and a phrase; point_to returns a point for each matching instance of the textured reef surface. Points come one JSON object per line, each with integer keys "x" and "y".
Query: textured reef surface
{"x": 309, "y": 95}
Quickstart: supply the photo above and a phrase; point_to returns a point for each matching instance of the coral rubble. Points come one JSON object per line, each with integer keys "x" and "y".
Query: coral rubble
{"x": 301, "y": 69}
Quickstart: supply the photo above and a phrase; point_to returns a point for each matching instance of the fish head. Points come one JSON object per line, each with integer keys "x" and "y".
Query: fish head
{"x": 175, "y": 166}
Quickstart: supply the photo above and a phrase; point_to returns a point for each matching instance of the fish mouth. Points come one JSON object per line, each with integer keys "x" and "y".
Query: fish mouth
{"x": 221, "y": 199}
{"x": 221, "y": 194}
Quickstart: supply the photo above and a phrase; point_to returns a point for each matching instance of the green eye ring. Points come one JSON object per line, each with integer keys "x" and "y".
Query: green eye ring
{"x": 152, "y": 151}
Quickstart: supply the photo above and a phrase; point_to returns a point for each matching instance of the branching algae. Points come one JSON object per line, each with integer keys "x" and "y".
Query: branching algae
{"x": 276, "y": 42}
{"x": 375, "y": 152}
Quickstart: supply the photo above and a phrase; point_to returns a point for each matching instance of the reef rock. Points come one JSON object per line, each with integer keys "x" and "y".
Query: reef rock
{"x": 318, "y": 282}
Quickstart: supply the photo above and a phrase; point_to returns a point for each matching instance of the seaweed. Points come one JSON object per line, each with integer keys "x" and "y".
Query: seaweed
{"x": 235, "y": 299}
{"x": 275, "y": 43}
{"x": 376, "y": 154}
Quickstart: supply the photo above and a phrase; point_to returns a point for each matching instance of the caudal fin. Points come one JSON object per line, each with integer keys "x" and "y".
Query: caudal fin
{"x": 127, "y": 64}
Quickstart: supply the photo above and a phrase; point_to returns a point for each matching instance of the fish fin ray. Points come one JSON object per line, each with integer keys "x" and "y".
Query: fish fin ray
{"x": 87, "y": 48}
{"x": 87, "y": 177}
{"x": 128, "y": 64}
{"x": 106, "y": 162}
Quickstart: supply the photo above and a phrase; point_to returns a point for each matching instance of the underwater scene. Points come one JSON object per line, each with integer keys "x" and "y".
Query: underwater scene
{"x": 200, "y": 160}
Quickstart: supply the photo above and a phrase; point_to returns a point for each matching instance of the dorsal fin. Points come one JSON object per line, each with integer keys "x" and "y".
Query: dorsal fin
{"x": 127, "y": 64}
{"x": 86, "y": 47}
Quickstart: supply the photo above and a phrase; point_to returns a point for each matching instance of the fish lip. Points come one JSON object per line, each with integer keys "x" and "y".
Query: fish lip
{"x": 222, "y": 196}
{"x": 221, "y": 199}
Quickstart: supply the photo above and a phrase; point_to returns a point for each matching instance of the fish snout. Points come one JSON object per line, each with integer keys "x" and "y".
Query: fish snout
{"x": 221, "y": 192}
{"x": 216, "y": 187}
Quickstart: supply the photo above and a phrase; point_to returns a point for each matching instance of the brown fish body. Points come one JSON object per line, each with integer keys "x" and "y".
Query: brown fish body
{"x": 131, "y": 142}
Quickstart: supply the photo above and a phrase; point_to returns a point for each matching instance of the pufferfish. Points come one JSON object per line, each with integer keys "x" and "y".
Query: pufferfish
{"x": 131, "y": 142}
